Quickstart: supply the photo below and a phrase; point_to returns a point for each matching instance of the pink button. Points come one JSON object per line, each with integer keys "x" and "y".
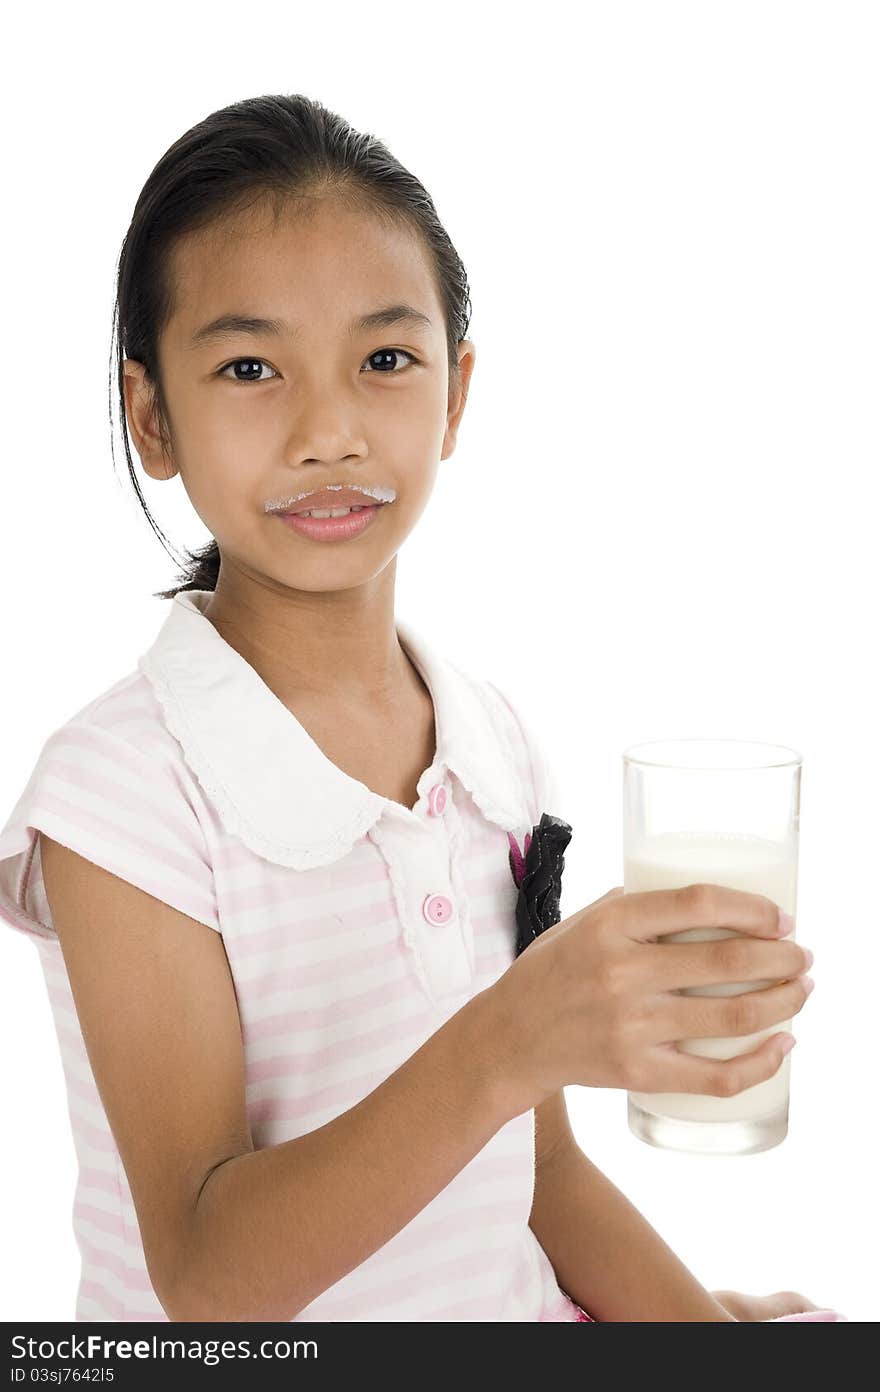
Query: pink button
{"x": 436, "y": 800}
{"x": 437, "y": 908}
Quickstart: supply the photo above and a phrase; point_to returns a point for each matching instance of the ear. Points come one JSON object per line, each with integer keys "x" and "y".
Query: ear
{"x": 140, "y": 408}
{"x": 458, "y": 390}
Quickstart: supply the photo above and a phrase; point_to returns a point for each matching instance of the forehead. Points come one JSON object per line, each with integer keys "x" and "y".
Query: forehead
{"x": 315, "y": 263}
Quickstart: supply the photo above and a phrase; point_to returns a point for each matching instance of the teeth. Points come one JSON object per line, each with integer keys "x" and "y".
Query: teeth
{"x": 333, "y": 512}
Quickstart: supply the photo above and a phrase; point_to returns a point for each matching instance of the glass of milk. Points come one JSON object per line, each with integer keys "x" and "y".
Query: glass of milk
{"x": 701, "y": 811}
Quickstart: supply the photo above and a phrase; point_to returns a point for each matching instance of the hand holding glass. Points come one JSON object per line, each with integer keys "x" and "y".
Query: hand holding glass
{"x": 720, "y": 812}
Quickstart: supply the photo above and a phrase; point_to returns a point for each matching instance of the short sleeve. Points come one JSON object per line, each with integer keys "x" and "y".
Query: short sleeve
{"x": 547, "y": 791}
{"x": 120, "y": 806}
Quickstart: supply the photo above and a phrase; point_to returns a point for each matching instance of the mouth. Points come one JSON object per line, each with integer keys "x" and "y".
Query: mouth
{"x": 333, "y": 498}
{"x": 340, "y": 510}
{"x": 332, "y": 524}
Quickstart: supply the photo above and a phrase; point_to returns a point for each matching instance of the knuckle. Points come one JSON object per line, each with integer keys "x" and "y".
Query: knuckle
{"x": 625, "y": 1025}
{"x": 621, "y": 1057}
{"x": 604, "y": 922}
{"x": 743, "y": 1014}
{"x": 611, "y": 917}
{"x": 725, "y": 1082}
{"x": 771, "y": 915}
{"x": 700, "y": 900}
{"x": 620, "y": 1033}
{"x": 612, "y": 975}
{"x": 797, "y": 1299}
{"x": 731, "y": 956}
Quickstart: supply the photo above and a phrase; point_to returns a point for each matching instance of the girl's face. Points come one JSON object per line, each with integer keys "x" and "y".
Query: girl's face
{"x": 260, "y": 417}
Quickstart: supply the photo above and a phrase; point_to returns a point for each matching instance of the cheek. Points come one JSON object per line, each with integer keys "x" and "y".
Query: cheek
{"x": 222, "y": 487}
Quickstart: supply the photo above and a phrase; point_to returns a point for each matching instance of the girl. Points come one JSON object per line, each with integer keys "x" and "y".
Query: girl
{"x": 268, "y": 871}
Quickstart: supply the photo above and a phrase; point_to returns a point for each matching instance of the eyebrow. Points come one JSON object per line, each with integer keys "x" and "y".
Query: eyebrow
{"x": 227, "y": 325}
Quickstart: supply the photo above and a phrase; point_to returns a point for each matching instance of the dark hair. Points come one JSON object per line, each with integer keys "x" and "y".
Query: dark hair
{"x": 272, "y": 150}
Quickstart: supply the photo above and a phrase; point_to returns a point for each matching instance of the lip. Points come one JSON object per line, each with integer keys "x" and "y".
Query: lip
{"x": 332, "y": 528}
{"x": 336, "y": 497}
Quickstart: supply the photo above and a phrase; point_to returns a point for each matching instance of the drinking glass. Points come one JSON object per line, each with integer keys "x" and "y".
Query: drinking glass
{"x": 702, "y": 811}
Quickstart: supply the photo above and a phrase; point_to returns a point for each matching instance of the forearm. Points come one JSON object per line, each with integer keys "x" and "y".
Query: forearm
{"x": 275, "y": 1227}
{"x": 606, "y": 1256}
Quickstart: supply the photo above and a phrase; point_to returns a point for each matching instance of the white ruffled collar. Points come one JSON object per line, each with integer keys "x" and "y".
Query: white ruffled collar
{"x": 271, "y": 784}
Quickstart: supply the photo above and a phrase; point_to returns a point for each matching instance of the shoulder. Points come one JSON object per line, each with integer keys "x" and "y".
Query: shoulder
{"x": 128, "y": 711}
{"x": 121, "y": 734}
{"x": 111, "y": 784}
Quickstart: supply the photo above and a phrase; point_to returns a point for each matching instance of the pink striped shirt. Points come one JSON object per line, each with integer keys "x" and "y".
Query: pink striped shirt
{"x": 354, "y": 928}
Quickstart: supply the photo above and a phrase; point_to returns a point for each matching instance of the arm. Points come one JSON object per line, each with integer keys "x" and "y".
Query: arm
{"x": 229, "y": 1232}
{"x": 275, "y": 1227}
{"x": 606, "y": 1256}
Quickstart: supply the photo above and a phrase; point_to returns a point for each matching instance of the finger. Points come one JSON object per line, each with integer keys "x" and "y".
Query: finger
{"x": 722, "y": 1017}
{"x": 736, "y": 1303}
{"x": 798, "y": 1302}
{"x": 785, "y": 1303}
{"x": 672, "y": 1070}
{"x": 734, "y": 957}
{"x": 647, "y": 914}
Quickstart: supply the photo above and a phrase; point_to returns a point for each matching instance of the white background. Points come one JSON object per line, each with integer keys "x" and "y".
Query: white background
{"x": 660, "y": 520}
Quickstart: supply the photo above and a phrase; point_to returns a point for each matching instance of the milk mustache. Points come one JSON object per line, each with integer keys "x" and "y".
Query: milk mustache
{"x": 675, "y": 859}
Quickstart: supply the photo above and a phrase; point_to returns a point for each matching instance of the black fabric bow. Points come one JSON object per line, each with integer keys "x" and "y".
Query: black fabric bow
{"x": 538, "y": 875}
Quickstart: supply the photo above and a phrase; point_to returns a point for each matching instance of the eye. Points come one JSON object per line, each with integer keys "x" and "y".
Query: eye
{"x": 260, "y": 362}
{"x": 386, "y": 352}
{"x": 251, "y": 362}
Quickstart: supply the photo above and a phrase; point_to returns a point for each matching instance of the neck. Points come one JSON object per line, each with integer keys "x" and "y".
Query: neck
{"x": 340, "y": 645}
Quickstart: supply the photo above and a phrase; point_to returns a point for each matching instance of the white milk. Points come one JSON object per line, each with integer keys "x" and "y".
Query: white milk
{"x": 672, "y": 861}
